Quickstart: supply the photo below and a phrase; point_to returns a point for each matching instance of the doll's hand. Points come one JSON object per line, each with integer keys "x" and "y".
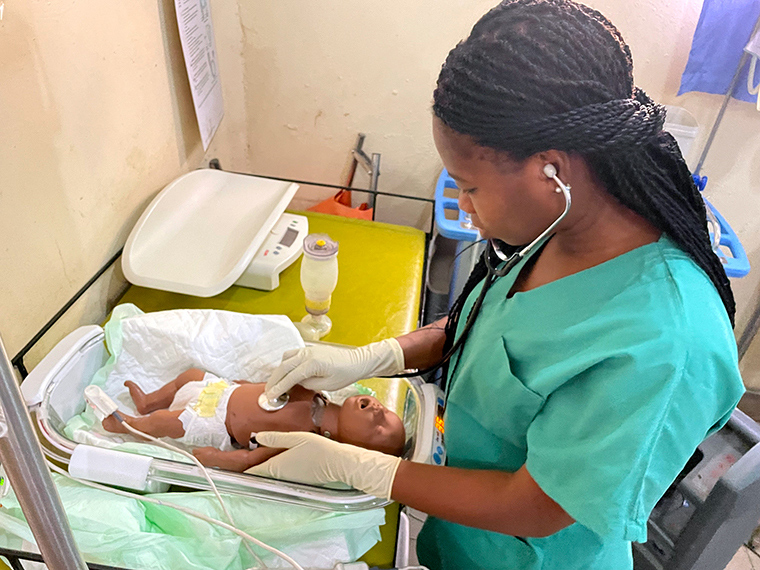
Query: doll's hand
{"x": 313, "y": 459}
{"x": 206, "y": 455}
{"x": 324, "y": 367}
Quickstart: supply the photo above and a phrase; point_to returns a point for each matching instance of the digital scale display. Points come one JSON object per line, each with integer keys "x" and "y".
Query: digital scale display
{"x": 439, "y": 424}
{"x": 439, "y": 452}
{"x": 289, "y": 237}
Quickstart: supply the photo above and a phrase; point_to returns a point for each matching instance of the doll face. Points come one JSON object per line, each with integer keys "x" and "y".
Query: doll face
{"x": 365, "y": 422}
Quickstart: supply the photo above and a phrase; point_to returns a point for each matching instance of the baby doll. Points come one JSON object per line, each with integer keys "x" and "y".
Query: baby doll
{"x": 220, "y": 419}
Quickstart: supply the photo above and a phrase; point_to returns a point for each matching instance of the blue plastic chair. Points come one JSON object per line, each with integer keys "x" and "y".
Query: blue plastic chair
{"x": 458, "y": 229}
{"x": 737, "y": 264}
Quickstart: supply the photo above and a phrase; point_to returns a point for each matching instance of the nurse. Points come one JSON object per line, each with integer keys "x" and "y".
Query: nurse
{"x": 594, "y": 368}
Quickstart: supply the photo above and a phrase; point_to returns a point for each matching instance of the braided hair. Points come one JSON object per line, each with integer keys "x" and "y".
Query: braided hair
{"x": 536, "y": 75}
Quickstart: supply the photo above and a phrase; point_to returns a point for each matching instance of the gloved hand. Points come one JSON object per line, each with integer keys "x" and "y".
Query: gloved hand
{"x": 324, "y": 367}
{"x": 315, "y": 460}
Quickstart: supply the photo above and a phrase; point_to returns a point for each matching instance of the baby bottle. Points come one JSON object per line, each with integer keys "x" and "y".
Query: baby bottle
{"x": 319, "y": 276}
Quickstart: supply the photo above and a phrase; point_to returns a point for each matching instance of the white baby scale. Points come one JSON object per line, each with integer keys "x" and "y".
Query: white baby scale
{"x": 54, "y": 393}
{"x": 210, "y": 229}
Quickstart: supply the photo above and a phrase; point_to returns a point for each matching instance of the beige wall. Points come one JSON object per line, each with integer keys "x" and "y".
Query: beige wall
{"x": 95, "y": 117}
{"x": 318, "y": 72}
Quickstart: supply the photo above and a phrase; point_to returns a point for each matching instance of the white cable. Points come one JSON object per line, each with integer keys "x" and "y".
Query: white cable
{"x": 185, "y": 510}
{"x": 751, "y": 88}
{"x": 203, "y": 470}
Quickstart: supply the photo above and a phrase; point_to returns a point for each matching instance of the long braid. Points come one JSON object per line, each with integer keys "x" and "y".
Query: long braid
{"x": 536, "y": 75}
{"x": 684, "y": 212}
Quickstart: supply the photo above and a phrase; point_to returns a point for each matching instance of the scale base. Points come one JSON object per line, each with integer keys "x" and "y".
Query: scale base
{"x": 280, "y": 249}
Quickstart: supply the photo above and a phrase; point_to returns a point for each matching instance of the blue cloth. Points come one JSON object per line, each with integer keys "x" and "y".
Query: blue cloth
{"x": 724, "y": 28}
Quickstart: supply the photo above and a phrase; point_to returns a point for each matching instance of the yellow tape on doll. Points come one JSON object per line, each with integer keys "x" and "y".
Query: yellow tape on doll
{"x": 208, "y": 399}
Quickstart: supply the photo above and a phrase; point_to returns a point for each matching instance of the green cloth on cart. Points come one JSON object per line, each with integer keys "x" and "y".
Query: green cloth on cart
{"x": 127, "y": 533}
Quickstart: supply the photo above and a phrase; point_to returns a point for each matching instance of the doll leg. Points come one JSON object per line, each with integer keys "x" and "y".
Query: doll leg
{"x": 161, "y": 423}
{"x": 161, "y": 398}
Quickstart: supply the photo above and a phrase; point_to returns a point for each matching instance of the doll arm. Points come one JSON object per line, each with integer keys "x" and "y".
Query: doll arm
{"x": 238, "y": 460}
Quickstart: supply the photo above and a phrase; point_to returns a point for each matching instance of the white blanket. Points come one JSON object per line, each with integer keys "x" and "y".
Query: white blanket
{"x": 154, "y": 348}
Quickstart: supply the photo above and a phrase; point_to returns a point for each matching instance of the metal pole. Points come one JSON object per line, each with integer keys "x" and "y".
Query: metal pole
{"x": 21, "y": 455}
{"x": 357, "y": 148}
{"x": 749, "y": 332}
{"x": 719, "y": 118}
{"x": 373, "y": 176}
{"x": 726, "y": 99}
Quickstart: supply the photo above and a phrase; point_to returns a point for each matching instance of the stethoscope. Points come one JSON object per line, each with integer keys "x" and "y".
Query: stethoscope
{"x": 551, "y": 172}
{"x": 509, "y": 263}
{"x": 493, "y": 272}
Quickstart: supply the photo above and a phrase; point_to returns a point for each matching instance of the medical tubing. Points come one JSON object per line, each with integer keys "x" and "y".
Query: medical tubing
{"x": 751, "y": 88}
{"x": 203, "y": 470}
{"x": 493, "y": 273}
{"x": 187, "y": 511}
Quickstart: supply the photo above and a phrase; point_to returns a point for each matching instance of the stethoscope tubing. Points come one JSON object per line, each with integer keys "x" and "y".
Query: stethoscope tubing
{"x": 493, "y": 273}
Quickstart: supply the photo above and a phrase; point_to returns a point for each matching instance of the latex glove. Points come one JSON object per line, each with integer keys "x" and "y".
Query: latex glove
{"x": 324, "y": 367}
{"x": 314, "y": 459}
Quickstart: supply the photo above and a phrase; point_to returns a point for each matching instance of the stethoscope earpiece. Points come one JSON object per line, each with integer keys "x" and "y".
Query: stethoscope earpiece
{"x": 550, "y": 170}
{"x": 510, "y": 261}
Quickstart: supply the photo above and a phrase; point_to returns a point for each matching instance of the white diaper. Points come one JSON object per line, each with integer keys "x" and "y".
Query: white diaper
{"x": 205, "y": 412}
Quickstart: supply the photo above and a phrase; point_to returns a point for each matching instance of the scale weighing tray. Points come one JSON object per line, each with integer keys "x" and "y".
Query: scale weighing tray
{"x": 209, "y": 229}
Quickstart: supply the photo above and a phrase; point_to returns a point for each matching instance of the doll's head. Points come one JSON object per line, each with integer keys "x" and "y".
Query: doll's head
{"x": 365, "y": 422}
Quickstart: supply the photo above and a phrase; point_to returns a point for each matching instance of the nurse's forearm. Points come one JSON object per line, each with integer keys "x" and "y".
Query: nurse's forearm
{"x": 424, "y": 347}
{"x": 509, "y": 503}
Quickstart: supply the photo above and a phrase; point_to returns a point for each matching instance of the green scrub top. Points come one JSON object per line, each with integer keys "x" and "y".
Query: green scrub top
{"x": 602, "y": 383}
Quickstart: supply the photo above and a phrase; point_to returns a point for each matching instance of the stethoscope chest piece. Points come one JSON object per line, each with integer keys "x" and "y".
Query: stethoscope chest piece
{"x": 273, "y": 405}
